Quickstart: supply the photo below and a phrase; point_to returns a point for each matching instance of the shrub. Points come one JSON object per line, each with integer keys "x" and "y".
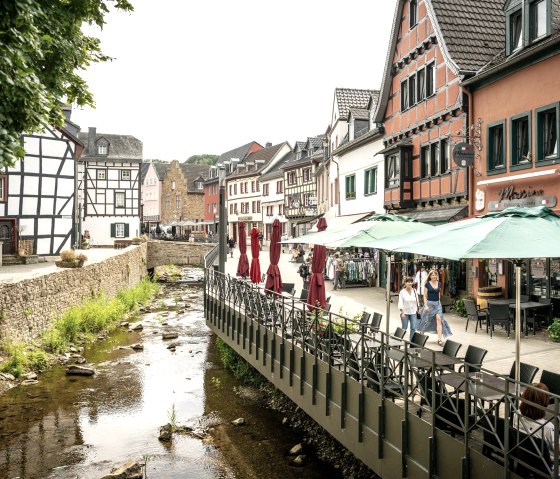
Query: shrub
{"x": 240, "y": 368}
{"x": 459, "y": 306}
{"x": 81, "y": 257}
{"x": 554, "y": 330}
{"x": 68, "y": 255}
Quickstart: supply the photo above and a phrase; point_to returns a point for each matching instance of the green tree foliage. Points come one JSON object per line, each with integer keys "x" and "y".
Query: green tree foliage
{"x": 202, "y": 159}
{"x": 42, "y": 50}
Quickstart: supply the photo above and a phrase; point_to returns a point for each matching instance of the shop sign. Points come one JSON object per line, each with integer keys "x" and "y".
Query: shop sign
{"x": 479, "y": 200}
{"x": 294, "y": 200}
{"x": 463, "y": 154}
{"x": 245, "y": 218}
{"x": 549, "y": 201}
{"x": 510, "y": 193}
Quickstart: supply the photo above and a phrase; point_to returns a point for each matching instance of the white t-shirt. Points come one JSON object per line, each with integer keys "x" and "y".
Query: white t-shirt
{"x": 407, "y": 301}
{"x": 419, "y": 279}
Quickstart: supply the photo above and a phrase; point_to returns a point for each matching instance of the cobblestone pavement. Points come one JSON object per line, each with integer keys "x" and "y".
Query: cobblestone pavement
{"x": 537, "y": 350}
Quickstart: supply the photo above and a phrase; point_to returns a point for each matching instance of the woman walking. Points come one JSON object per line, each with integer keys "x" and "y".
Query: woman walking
{"x": 432, "y": 314}
{"x": 408, "y": 306}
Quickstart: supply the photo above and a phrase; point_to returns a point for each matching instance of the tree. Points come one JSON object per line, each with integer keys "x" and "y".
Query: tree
{"x": 204, "y": 159}
{"x": 43, "y": 49}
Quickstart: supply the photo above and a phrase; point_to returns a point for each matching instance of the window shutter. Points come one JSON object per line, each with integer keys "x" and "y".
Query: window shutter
{"x": 126, "y": 225}
{"x": 113, "y": 230}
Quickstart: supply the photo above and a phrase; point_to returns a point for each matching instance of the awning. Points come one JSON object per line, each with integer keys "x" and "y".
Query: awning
{"x": 308, "y": 219}
{"x": 438, "y": 215}
{"x": 339, "y": 221}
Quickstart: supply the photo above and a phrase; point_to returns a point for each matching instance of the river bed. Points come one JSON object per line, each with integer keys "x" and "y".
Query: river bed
{"x": 81, "y": 427}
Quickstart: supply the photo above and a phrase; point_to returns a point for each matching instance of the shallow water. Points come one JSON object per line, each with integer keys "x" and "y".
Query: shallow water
{"x": 81, "y": 427}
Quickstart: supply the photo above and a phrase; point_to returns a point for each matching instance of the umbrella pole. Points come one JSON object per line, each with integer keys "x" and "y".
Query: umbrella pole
{"x": 388, "y": 293}
{"x": 517, "y": 323}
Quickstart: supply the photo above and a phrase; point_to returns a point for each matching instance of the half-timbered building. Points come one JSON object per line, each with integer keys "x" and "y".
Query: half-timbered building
{"x": 272, "y": 197}
{"x": 300, "y": 187}
{"x": 434, "y": 45}
{"x": 109, "y": 186}
{"x": 37, "y": 194}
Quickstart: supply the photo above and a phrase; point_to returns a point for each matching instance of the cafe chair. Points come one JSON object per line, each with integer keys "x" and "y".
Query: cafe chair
{"x": 530, "y": 454}
{"x": 552, "y": 381}
{"x": 288, "y": 288}
{"x": 499, "y": 314}
{"x": 538, "y": 317}
{"x": 303, "y": 295}
{"x": 476, "y": 314}
{"x": 451, "y": 348}
{"x": 419, "y": 339}
{"x": 473, "y": 359}
{"x": 399, "y": 332}
{"x": 526, "y": 372}
{"x": 364, "y": 322}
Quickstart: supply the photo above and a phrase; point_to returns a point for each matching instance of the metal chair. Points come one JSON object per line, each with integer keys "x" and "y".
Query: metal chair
{"x": 288, "y": 288}
{"x": 473, "y": 358}
{"x": 526, "y": 372}
{"x": 303, "y": 295}
{"x": 419, "y": 339}
{"x": 399, "y": 332}
{"x": 451, "y": 348}
{"x": 499, "y": 314}
{"x": 475, "y": 313}
{"x": 552, "y": 381}
{"x": 539, "y": 317}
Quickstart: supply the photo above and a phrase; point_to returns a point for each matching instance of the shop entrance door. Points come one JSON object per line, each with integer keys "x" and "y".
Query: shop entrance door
{"x": 7, "y": 236}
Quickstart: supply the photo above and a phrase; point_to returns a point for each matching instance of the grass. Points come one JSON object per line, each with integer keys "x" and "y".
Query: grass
{"x": 79, "y": 323}
{"x": 241, "y": 369}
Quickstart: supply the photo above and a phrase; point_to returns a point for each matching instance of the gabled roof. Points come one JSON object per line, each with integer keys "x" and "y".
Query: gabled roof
{"x": 347, "y": 98}
{"x": 275, "y": 170}
{"x": 469, "y": 32}
{"x": 192, "y": 173}
{"x": 360, "y": 113}
{"x": 240, "y": 152}
{"x": 161, "y": 170}
{"x": 315, "y": 141}
{"x": 143, "y": 170}
{"x": 121, "y": 147}
{"x": 261, "y": 158}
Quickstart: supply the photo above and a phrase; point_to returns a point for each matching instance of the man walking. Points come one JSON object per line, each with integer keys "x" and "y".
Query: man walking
{"x": 339, "y": 272}
{"x": 419, "y": 280}
{"x": 231, "y": 244}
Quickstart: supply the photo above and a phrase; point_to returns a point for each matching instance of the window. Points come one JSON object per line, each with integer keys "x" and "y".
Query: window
{"x": 547, "y": 133}
{"x": 520, "y": 140}
{"x": 253, "y": 207}
{"x": 445, "y": 165}
{"x": 537, "y": 20}
{"x": 177, "y": 201}
{"x": 370, "y": 181}
{"x": 199, "y": 185}
{"x": 3, "y": 189}
{"x": 265, "y": 189}
{"x": 279, "y": 187}
{"x": 412, "y": 90}
{"x": 306, "y": 175}
{"x": 404, "y": 95}
{"x": 173, "y": 185}
{"x": 291, "y": 178}
{"x": 515, "y": 24}
{"x": 430, "y": 79}
{"x": 235, "y": 189}
{"x": 119, "y": 199}
{"x": 350, "y": 181}
{"x": 496, "y": 146}
{"x": 306, "y": 200}
{"x": 425, "y": 162}
{"x": 413, "y": 14}
{"x": 434, "y": 159}
{"x": 125, "y": 174}
{"x": 269, "y": 211}
{"x": 393, "y": 171}
{"x": 280, "y": 209}
{"x": 119, "y": 230}
{"x": 214, "y": 189}
{"x": 230, "y": 190}
{"x": 101, "y": 149}
{"x": 101, "y": 174}
{"x": 252, "y": 186}
{"x": 258, "y": 206}
{"x": 421, "y": 85}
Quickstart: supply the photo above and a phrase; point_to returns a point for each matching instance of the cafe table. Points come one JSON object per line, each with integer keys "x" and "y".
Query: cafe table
{"x": 529, "y": 306}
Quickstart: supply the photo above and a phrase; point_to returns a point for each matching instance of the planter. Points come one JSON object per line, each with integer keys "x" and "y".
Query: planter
{"x": 69, "y": 264}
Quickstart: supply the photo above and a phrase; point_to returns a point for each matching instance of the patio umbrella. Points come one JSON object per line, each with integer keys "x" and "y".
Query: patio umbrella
{"x": 513, "y": 234}
{"x": 243, "y": 265}
{"x": 273, "y": 277}
{"x": 317, "y": 292}
{"x": 255, "y": 273}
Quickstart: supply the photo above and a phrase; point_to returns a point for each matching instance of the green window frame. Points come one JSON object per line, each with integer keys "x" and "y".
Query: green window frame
{"x": 514, "y": 30}
{"x": 520, "y": 128}
{"x": 496, "y": 147}
{"x": 370, "y": 181}
{"x": 350, "y": 181}
{"x": 538, "y": 19}
{"x": 547, "y": 133}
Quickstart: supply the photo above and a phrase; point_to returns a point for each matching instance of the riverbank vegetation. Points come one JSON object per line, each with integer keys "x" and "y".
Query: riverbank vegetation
{"x": 241, "y": 369}
{"x": 78, "y": 325}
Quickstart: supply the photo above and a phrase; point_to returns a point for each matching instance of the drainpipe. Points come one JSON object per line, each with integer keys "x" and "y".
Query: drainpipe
{"x": 337, "y": 194}
{"x": 470, "y": 171}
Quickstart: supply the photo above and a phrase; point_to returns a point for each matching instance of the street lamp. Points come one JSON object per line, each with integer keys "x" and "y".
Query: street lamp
{"x": 222, "y": 221}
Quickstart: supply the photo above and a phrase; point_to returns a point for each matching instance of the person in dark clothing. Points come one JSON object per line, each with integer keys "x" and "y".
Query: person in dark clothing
{"x": 231, "y": 244}
{"x": 261, "y": 237}
{"x": 305, "y": 272}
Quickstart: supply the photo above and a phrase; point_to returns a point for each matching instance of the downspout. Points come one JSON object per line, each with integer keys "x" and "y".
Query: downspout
{"x": 470, "y": 176}
{"x": 337, "y": 194}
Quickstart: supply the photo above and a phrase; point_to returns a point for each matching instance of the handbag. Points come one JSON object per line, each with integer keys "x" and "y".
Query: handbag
{"x": 418, "y": 311}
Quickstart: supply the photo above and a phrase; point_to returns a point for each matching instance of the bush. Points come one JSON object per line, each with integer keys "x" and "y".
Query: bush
{"x": 554, "y": 330}
{"x": 68, "y": 255}
{"x": 81, "y": 257}
{"x": 241, "y": 369}
{"x": 459, "y": 306}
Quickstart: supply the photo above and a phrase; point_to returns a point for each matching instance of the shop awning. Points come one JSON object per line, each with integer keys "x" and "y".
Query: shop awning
{"x": 438, "y": 215}
{"x": 339, "y": 221}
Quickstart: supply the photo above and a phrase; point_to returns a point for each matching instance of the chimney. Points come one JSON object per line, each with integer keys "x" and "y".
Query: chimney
{"x": 268, "y": 144}
{"x": 91, "y": 140}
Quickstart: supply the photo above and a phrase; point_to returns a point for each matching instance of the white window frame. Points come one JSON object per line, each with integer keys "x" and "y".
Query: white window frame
{"x": 124, "y": 174}
{"x": 101, "y": 174}
{"x": 101, "y": 149}
{"x": 120, "y": 194}
{"x": 119, "y": 230}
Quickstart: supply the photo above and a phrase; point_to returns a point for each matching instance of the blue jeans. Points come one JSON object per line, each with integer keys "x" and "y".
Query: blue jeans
{"x": 409, "y": 318}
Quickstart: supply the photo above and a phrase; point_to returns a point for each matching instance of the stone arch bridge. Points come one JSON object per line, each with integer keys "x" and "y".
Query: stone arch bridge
{"x": 180, "y": 253}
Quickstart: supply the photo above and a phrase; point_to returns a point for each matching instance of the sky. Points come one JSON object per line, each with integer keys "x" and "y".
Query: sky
{"x": 197, "y": 77}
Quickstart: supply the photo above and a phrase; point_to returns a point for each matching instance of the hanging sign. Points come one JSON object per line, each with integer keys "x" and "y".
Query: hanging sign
{"x": 537, "y": 269}
{"x": 463, "y": 154}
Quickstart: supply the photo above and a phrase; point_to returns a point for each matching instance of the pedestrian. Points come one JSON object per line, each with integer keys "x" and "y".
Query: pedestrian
{"x": 432, "y": 315}
{"x": 261, "y": 237}
{"x": 408, "y": 306}
{"x": 419, "y": 280}
{"x": 231, "y": 244}
{"x": 339, "y": 272}
{"x": 305, "y": 272}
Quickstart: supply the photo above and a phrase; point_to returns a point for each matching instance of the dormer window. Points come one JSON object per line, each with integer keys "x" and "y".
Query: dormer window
{"x": 199, "y": 185}
{"x": 526, "y": 23}
{"x": 102, "y": 149}
{"x": 537, "y": 19}
{"x": 516, "y": 30}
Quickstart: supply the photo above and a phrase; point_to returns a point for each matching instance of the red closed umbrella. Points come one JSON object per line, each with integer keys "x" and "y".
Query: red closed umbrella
{"x": 243, "y": 265}
{"x": 273, "y": 277}
{"x": 255, "y": 273}
{"x": 317, "y": 293}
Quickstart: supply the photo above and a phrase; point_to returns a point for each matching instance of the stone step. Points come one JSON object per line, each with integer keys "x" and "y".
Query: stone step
{"x": 12, "y": 259}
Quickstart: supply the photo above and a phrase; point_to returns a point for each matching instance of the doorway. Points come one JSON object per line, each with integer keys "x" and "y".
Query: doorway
{"x": 7, "y": 228}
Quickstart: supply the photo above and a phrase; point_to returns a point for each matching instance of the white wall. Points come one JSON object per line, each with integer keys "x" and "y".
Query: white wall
{"x": 100, "y": 228}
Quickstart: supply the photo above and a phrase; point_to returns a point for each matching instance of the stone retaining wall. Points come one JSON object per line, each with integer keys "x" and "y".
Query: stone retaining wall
{"x": 30, "y": 306}
{"x": 176, "y": 252}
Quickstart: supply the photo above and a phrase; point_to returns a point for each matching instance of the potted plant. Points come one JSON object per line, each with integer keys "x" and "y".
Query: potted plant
{"x": 554, "y": 330}
{"x": 69, "y": 259}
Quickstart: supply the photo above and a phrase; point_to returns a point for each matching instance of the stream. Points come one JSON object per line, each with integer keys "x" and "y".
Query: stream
{"x": 82, "y": 427}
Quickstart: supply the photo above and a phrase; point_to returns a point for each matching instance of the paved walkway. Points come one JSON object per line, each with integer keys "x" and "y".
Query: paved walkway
{"x": 537, "y": 350}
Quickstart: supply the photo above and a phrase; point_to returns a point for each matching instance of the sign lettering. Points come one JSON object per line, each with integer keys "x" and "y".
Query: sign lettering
{"x": 509, "y": 193}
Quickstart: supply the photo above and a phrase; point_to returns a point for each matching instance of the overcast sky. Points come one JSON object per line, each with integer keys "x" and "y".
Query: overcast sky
{"x": 194, "y": 77}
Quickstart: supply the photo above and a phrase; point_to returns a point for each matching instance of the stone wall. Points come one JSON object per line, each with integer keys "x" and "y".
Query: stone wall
{"x": 174, "y": 186}
{"x": 30, "y": 306}
{"x": 176, "y": 252}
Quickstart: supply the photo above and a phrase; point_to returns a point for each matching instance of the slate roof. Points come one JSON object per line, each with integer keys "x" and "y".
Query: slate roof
{"x": 121, "y": 147}
{"x": 316, "y": 141}
{"x": 161, "y": 169}
{"x": 352, "y": 98}
{"x": 276, "y": 170}
{"x": 144, "y": 170}
{"x": 360, "y": 113}
{"x": 264, "y": 155}
{"x": 240, "y": 152}
{"x": 192, "y": 173}
{"x": 473, "y": 30}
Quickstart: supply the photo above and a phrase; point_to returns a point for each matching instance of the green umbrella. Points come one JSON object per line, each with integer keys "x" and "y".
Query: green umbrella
{"x": 513, "y": 234}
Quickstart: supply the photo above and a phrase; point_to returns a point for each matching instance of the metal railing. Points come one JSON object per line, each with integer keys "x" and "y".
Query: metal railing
{"x": 440, "y": 399}
{"x": 211, "y": 256}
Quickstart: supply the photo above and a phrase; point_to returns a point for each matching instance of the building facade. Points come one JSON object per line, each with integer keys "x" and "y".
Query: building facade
{"x": 152, "y": 181}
